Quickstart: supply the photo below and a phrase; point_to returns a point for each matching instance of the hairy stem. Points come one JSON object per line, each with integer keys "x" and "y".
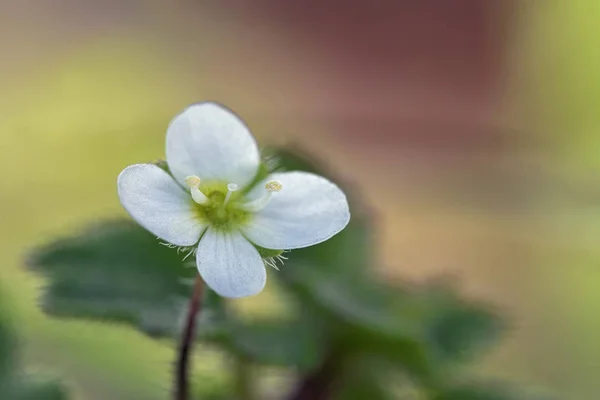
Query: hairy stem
{"x": 182, "y": 384}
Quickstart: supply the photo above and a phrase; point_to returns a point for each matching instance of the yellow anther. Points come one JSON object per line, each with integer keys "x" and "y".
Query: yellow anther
{"x": 261, "y": 202}
{"x": 273, "y": 186}
{"x": 192, "y": 181}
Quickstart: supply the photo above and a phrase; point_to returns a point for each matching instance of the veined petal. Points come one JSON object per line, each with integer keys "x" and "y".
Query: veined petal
{"x": 159, "y": 204}
{"x": 210, "y": 141}
{"x": 308, "y": 210}
{"x": 229, "y": 264}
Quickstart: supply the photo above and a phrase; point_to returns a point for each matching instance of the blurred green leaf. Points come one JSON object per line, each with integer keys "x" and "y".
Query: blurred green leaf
{"x": 456, "y": 329}
{"x": 209, "y": 387}
{"x": 292, "y": 341}
{"x": 115, "y": 271}
{"x": 8, "y": 345}
{"x": 14, "y": 384}
{"x": 365, "y": 377}
{"x": 365, "y": 315}
{"x": 43, "y": 391}
{"x": 213, "y": 321}
{"x": 491, "y": 391}
{"x": 277, "y": 342}
{"x": 464, "y": 332}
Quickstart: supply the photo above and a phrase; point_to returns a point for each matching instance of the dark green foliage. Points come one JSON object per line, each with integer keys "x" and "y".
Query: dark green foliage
{"x": 479, "y": 392}
{"x": 487, "y": 391}
{"x": 115, "y": 271}
{"x": 365, "y": 335}
{"x": 8, "y": 344}
{"x": 365, "y": 377}
{"x": 14, "y": 384}
{"x": 43, "y": 391}
{"x": 463, "y": 331}
{"x": 277, "y": 342}
{"x": 273, "y": 341}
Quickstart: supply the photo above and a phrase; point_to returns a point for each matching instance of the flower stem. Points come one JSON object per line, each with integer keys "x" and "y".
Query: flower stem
{"x": 182, "y": 385}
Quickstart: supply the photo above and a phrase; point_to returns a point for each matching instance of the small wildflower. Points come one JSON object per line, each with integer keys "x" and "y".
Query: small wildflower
{"x": 207, "y": 206}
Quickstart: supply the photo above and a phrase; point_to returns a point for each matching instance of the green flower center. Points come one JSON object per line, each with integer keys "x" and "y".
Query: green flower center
{"x": 222, "y": 207}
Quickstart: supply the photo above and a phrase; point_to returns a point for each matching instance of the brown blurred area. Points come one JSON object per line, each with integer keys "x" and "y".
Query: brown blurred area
{"x": 410, "y": 101}
{"x": 432, "y": 61}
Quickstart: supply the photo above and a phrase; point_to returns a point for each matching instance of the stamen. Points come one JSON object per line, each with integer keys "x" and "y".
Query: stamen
{"x": 231, "y": 187}
{"x": 273, "y": 186}
{"x": 260, "y": 203}
{"x": 193, "y": 183}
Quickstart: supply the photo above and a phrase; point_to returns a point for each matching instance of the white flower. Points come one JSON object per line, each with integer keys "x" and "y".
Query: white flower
{"x": 208, "y": 201}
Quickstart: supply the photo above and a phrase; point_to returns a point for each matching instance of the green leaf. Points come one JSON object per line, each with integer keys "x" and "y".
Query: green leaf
{"x": 365, "y": 377}
{"x": 457, "y": 330}
{"x": 274, "y": 342}
{"x": 213, "y": 320}
{"x": 47, "y": 390}
{"x": 491, "y": 391}
{"x": 210, "y": 387}
{"x": 364, "y": 315}
{"x": 8, "y": 344}
{"x": 115, "y": 271}
{"x": 13, "y": 382}
{"x": 463, "y": 333}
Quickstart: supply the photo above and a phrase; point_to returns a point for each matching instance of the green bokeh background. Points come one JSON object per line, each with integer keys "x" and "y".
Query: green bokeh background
{"x": 77, "y": 108}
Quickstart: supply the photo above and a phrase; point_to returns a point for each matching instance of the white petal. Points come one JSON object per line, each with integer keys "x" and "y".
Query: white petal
{"x": 308, "y": 210}
{"x": 229, "y": 264}
{"x": 159, "y": 204}
{"x": 210, "y": 141}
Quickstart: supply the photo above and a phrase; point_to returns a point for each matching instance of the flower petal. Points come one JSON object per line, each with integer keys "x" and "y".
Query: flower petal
{"x": 159, "y": 204}
{"x": 210, "y": 141}
{"x": 308, "y": 210}
{"x": 230, "y": 264}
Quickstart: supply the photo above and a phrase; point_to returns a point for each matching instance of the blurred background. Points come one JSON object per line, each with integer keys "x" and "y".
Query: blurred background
{"x": 469, "y": 127}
